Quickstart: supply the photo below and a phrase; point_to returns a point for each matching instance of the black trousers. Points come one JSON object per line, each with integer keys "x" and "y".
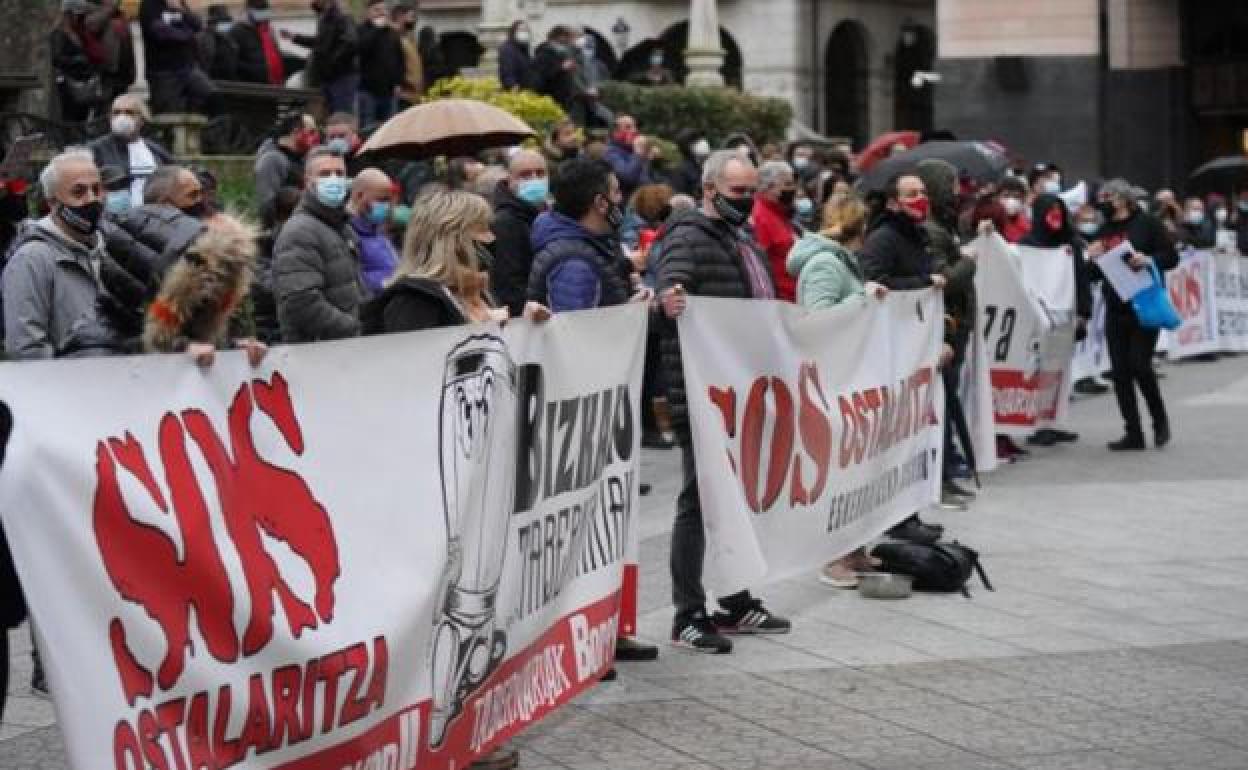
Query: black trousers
{"x": 688, "y": 551}
{"x": 651, "y": 380}
{"x": 186, "y": 91}
{"x": 1131, "y": 349}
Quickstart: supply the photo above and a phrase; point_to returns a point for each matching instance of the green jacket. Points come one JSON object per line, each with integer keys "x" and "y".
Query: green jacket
{"x": 827, "y": 273}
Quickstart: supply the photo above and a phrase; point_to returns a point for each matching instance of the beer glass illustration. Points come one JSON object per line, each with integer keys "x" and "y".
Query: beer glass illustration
{"x": 477, "y": 436}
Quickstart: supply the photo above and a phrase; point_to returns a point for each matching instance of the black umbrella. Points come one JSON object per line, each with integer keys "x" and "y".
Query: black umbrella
{"x": 980, "y": 160}
{"x": 1222, "y": 175}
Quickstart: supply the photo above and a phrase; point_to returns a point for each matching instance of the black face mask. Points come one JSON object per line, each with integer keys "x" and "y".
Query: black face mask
{"x": 788, "y": 198}
{"x": 734, "y": 211}
{"x": 82, "y": 219}
{"x": 615, "y": 216}
{"x": 197, "y": 210}
{"x": 1107, "y": 209}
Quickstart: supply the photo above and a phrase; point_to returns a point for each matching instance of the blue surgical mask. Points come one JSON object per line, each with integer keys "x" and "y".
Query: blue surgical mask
{"x": 260, "y": 15}
{"x": 1089, "y": 228}
{"x": 379, "y": 212}
{"x": 1052, "y": 186}
{"x": 805, "y": 207}
{"x": 332, "y": 191}
{"x": 117, "y": 202}
{"x": 402, "y": 215}
{"x": 533, "y": 191}
{"x": 339, "y": 146}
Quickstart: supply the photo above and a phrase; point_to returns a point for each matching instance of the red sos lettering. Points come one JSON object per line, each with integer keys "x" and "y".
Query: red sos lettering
{"x": 170, "y": 577}
{"x": 762, "y": 437}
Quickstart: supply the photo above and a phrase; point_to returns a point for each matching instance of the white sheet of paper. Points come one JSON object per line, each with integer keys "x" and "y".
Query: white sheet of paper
{"x": 1126, "y": 282}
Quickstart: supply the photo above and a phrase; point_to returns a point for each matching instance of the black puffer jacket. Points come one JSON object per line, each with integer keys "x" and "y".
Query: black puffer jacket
{"x": 335, "y": 46}
{"x": 703, "y": 256}
{"x": 896, "y": 253}
{"x": 512, "y": 248}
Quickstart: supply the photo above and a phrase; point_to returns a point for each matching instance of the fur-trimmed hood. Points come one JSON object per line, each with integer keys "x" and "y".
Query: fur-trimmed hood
{"x": 203, "y": 289}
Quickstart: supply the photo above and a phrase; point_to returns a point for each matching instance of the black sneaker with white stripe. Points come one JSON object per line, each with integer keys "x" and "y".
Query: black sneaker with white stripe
{"x": 750, "y": 618}
{"x": 699, "y": 634}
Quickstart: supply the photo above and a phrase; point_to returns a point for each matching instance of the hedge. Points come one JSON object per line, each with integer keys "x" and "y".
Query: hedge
{"x": 714, "y": 112}
{"x": 540, "y": 112}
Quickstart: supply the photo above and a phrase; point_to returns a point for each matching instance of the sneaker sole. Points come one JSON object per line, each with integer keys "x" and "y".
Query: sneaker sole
{"x": 752, "y": 631}
{"x": 682, "y": 645}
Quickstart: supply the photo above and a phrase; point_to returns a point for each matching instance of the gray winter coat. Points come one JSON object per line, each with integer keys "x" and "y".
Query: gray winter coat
{"x": 51, "y": 287}
{"x": 316, "y": 275}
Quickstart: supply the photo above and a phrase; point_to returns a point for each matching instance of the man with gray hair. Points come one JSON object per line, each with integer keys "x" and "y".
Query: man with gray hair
{"x": 775, "y": 208}
{"x": 52, "y": 282}
{"x": 518, "y": 200}
{"x": 125, "y": 148}
{"x": 707, "y": 251}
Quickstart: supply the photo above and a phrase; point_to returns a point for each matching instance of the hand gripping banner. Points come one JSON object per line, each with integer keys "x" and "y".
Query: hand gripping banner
{"x": 391, "y": 552}
{"x": 814, "y": 431}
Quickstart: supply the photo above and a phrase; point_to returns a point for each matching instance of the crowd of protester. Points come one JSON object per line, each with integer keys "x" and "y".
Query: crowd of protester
{"x": 131, "y": 252}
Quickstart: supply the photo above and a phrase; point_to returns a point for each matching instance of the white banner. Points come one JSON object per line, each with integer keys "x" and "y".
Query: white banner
{"x": 976, "y": 393}
{"x": 1026, "y": 301}
{"x": 1231, "y": 301}
{"x": 814, "y": 431}
{"x": 1191, "y": 287}
{"x": 390, "y": 553}
{"x": 1092, "y": 352}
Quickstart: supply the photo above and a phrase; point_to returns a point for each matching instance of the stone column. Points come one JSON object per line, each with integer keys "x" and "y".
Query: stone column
{"x": 704, "y": 57}
{"x": 496, "y": 19}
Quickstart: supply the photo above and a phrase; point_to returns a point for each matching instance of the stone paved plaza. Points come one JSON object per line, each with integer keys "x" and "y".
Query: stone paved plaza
{"x": 1117, "y": 637}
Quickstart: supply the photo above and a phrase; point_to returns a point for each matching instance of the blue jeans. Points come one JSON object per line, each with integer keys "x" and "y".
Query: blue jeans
{"x": 340, "y": 93}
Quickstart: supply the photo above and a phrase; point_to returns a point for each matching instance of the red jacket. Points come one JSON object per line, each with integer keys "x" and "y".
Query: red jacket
{"x": 775, "y": 233}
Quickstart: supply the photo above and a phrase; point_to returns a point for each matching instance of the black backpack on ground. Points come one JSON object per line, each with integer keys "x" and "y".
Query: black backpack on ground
{"x": 942, "y": 567}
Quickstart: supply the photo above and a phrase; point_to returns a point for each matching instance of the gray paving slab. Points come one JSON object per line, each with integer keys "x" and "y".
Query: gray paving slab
{"x": 1117, "y": 638}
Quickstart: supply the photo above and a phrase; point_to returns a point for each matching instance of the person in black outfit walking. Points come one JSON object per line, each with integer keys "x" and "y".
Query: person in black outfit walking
{"x": 335, "y": 64}
{"x": 382, "y": 66}
{"x": 177, "y": 82}
{"x": 1131, "y": 346}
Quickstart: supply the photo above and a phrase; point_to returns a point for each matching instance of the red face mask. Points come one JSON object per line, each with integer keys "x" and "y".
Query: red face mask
{"x": 306, "y": 141}
{"x": 917, "y": 208}
{"x": 1054, "y": 219}
{"x": 625, "y": 137}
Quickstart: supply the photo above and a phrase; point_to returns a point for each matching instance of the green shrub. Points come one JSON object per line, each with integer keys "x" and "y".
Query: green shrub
{"x": 540, "y": 112}
{"x": 714, "y": 112}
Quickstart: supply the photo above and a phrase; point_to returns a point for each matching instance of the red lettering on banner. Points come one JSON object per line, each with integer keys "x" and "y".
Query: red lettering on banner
{"x": 872, "y": 421}
{"x": 169, "y": 579}
{"x": 171, "y": 737}
{"x": 1186, "y": 291}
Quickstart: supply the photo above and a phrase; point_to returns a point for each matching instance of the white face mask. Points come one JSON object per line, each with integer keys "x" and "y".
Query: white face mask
{"x": 1012, "y": 206}
{"x": 124, "y": 126}
{"x": 522, "y": 36}
{"x": 1052, "y": 186}
{"x": 701, "y": 148}
{"x": 1220, "y": 215}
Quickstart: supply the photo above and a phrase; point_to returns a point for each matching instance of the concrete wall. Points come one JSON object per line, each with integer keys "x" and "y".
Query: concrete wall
{"x": 1055, "y": 118}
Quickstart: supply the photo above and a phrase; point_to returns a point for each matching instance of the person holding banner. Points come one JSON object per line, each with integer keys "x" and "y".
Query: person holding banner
{"x": 1131, "y": 346}
{"x": 896, "y": 255}
{"x": 439, "y": 282}
{"x": 1052, "y": 228}
{"x": 827, "y": 273}
{"x": 707, "y": 251}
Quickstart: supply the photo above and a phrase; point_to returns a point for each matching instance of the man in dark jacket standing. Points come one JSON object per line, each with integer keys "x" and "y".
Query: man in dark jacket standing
{"x": 578, "y": 262}
{"x": 316, "y": 268}
{"x": 1131, "y": 346}
{"x": 177, "y": 82}
{"x": 555, "y": 64}
{"x": 125, "y": 148}
{"x": 707, "y": 252}
{"x": 940, "y": 179}
{"x": 629, "y": 155}
{"x": 382, "y": 66}
{"x": 259, "y": 56}
{"x": 335, "y": 64}
{"x": 279, "y": 164}
{"x": 896, "y": 254}
{"x": 517, "y": 202}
